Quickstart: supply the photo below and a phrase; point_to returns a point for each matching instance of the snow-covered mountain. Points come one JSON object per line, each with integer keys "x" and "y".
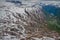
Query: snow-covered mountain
{"x": 18, "y": 18}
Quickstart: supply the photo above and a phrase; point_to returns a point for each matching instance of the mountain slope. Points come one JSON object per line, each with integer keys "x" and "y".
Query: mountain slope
{"x": 24, "y": 22}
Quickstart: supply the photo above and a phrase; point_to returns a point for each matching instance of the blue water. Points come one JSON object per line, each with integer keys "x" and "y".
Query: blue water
{"x": 52, "y": 9}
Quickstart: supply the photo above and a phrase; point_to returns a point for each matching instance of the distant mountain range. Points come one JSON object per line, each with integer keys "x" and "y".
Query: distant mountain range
{"x": 13, "y": 1}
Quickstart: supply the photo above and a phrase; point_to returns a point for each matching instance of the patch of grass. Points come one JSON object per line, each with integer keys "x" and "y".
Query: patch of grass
{"x": 53, "y": 21}
{"x": 53, "y": 25}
